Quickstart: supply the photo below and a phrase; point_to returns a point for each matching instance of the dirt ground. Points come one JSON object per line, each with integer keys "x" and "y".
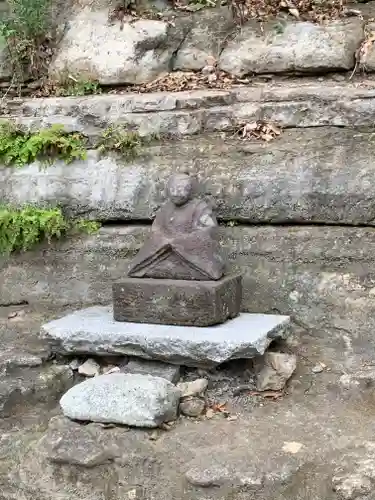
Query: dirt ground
{"x": 314, "y": 442}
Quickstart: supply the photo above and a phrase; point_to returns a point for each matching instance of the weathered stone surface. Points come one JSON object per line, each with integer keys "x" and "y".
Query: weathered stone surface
{"x": 5, "y": 70}
{"x": 93, "y": 330}
{"x": 321, "y": 175}
{"x": 93, "y": 48}
{"x": 177, "y": 302}
{"x": 90, "y": 368}
{"x": 205, "y": 40}
{"x": 216, "y": 467}
{"x": 67, "y": 442}
{"x": 355, "y": 476}
{"x": 322, "y": 276}
{"x": 130, "y": 399}
{"x": 298, "y": 103}
{"x": 277, "y": 370}
{"x": 153, "y": 368}
{"x": 28, "y": 387}
{"x": 194, "y": 388}
{"x": 296, "y": 47}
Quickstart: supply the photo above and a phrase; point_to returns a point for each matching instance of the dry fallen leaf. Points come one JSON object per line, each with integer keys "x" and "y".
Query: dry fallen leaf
{"x": 260, "y": 130}
{"x": 219, "y": 408}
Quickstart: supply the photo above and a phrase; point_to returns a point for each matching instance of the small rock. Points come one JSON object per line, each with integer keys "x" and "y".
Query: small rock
{"x": 192, "y": 406}
{"x": 123, "y": 398}
{"x": 195, "y": 388}
{"x": 207, "y": 70}
{"x": 292, "y": 447}
{"x": 210, "y": 413}
{"x": 89, "y": 368}
{"x": 154, "y": 368}
{"x": 74, "y": 364}
{"x": 69, "y": 443}
{"x": 154, "y": 436}
{"x": 318, "y": 368}
{"x": 111, "y": 369}
{"x": 278, "y": 368}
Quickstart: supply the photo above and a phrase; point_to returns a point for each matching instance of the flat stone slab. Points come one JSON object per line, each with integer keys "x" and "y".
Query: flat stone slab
{"x": 177, "y": 302}
{"x": 94, "y": 331}
{"x": 154, "y": 368}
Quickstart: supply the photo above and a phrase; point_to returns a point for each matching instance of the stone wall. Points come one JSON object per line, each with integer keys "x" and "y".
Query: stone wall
{"x": 315, "y": 175}
{"x": 140, "y": 51}
{"x": 304, "y": 202}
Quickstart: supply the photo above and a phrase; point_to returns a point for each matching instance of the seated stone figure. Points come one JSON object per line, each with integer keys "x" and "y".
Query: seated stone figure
{"x": 183, "y": 243}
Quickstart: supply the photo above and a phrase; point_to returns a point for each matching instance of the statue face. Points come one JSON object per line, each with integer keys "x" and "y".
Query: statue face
{"x": 180, "y": 189}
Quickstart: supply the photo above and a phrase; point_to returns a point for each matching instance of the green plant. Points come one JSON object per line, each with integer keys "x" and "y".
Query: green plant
{"x": 18, "y": 147}
{"x": 26, "y": 31}
{"x": 127, "y": 143}
{"x": 23, "y": 228}
{"x": 79, "y": 87}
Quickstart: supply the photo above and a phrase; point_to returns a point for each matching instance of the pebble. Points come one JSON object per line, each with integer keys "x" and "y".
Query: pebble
{"x": 195, "y": 388}
{"x": 74, "y": 364}
{"x": 318, "y": 368}
{"x": 89, "y": 368}
{"x": 111, "y": 369}
{"x": 278, "y": 368}
{"x": 192, "y": 406}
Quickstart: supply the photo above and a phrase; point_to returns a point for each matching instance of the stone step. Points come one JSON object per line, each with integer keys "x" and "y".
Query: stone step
{"x": 322, "y": 175}
{"x": 295, "y": 103}
{"x": 322, "y": 276}
{"x": 94, "y": 331}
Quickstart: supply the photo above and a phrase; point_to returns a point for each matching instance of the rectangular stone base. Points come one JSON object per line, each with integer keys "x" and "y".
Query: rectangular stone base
{"x": 93, "y": 331}
{"x": 177, "y": 302}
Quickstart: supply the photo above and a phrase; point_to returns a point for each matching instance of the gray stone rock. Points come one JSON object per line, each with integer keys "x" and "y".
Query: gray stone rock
{"x": 177, "y": 302}
{"x": 153, "y": 368}
{"x": 292, "y": 104}
{"x": 194, "y": 388}
{"x": 296, "y": 46}
{"x": 134, "y": 400}
{"x": 67, "y": 442}
{"x": 277, "y": 370}
{"x": 205, "y": 40}
{"x": 192, "y": 406}
{"x": 313, "y": 180}
{"x": 93, "y": 330}
{"x": 93, "y": 48}
{"x": 90, "y": 368}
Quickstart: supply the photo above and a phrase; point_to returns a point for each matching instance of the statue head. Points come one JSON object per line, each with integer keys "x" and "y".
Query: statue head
{"x": 180, "y": 189}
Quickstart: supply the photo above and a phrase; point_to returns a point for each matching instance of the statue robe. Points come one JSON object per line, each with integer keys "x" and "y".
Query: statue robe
{"x": 181, "y": 246}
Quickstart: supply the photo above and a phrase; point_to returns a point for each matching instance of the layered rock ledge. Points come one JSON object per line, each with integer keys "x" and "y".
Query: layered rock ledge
{"x": 297, "y": 103}
{"x": 319, "y": 175}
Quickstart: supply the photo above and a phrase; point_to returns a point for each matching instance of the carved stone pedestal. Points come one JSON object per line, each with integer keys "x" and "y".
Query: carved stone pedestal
{"x": 177, "y": 302}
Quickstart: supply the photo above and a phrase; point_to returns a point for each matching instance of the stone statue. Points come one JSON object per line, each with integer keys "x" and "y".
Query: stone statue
{"x": 183, "y": 243}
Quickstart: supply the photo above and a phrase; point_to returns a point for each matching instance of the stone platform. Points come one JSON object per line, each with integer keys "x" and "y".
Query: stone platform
{"x": 94, "y": 331}
{"x": 177, "y": 302}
